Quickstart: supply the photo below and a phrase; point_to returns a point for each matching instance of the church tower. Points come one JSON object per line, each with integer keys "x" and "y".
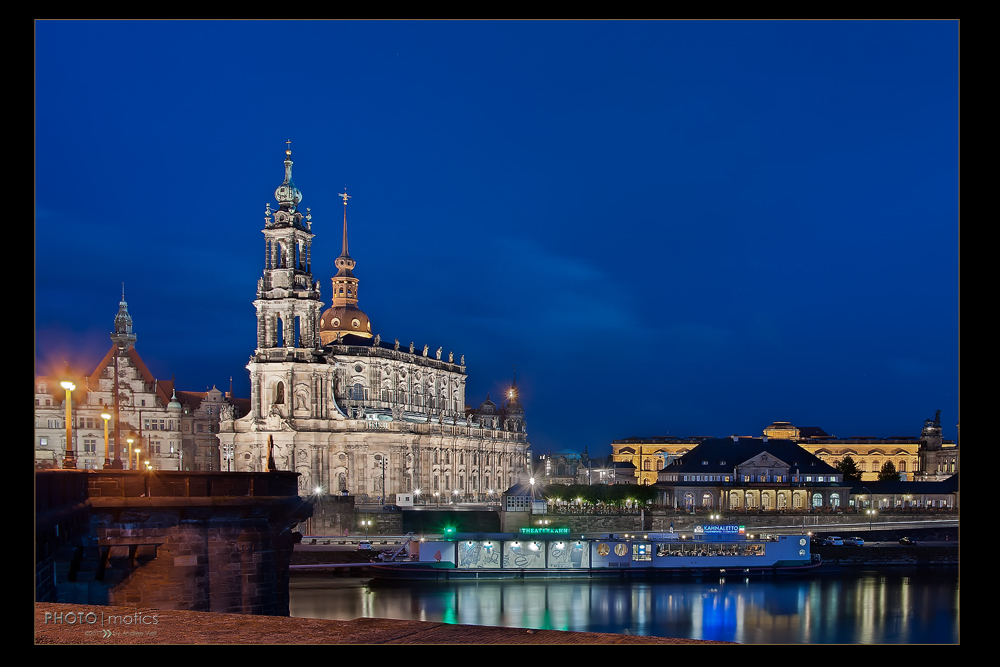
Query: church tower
{"x": 287, "y": 301}
{"x": 344, "y": 316}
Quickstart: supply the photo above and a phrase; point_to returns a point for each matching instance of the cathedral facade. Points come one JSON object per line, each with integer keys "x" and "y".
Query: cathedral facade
{"x": 352, "y": 413}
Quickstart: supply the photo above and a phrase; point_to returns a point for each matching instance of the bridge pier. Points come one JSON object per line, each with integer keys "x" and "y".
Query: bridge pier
{"x": 195, "y": 541}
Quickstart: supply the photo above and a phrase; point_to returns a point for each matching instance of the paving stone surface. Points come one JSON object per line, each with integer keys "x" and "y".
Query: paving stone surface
{"x": 142, "y": 625}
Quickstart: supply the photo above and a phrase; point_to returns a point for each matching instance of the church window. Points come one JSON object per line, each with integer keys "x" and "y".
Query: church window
{"x": 357, "y": 392}
{"x": 279, "y": 393}
{"x": 48, "y": 401}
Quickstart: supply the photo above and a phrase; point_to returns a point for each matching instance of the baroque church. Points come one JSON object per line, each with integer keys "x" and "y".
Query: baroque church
{"x": 352, "y": 413}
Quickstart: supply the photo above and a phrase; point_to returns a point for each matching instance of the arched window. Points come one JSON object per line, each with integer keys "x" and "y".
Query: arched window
{"x": 279, "y": 393}
{"x": 765, "y": 502}
{"x": 817, "y": 500}
{"x": 357, "y": 392}
{"x": 834, "y": 500}
{"x": 781, "y": 501}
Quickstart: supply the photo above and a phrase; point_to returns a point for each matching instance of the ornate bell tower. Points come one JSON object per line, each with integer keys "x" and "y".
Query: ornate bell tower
{"x": 287, "y": 303}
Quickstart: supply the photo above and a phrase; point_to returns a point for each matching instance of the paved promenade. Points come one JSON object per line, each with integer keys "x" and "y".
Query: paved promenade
{"x": 138, "y": 625}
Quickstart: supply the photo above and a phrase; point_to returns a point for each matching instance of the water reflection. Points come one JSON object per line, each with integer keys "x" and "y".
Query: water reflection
{"x": 856, "y": 607}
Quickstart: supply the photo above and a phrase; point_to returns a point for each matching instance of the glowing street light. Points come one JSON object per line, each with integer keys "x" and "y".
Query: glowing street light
{"x": 107, "y": 450}
{"x": 69, "y": 461}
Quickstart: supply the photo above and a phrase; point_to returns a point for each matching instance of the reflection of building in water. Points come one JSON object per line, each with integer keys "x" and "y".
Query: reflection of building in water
{"x": 349, "y": 411}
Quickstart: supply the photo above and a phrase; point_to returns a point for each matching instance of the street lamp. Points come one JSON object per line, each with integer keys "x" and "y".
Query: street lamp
{"x": 69, "y": 461}
{"x": 107, "y": 450}
{"x": 130, "y": 438}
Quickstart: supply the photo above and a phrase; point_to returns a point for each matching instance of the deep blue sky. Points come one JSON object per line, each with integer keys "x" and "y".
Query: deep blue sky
{"x": 692, "y": 228}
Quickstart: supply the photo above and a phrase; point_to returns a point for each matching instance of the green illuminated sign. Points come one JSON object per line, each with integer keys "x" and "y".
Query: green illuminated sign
{"x": 545, "y": 531}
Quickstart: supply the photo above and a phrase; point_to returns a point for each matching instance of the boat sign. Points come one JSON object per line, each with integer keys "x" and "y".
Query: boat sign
{"x": 720, "y": 530}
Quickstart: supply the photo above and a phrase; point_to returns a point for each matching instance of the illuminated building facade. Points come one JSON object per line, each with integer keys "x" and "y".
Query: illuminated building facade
{"x": 352, "y": 413}
{"x": 174, "y": 430}
{"x": 650, "y": 455}
{"x": 924, "y": 458}
{"x": 751, "y": 474}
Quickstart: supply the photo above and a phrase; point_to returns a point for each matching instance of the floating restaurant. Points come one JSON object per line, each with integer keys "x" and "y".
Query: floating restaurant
{"x": 554, "y": 552}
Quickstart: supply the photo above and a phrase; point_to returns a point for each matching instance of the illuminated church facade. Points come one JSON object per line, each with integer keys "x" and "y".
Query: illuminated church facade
{"x": 350, "y": 412}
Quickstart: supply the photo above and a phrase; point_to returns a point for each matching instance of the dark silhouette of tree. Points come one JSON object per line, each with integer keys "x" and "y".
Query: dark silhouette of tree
{"x": 888, "y": 473}
{"x": 850, "y": 469}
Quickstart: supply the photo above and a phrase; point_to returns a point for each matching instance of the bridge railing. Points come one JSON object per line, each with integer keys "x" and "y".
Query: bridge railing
{"x": 163, "y": 483}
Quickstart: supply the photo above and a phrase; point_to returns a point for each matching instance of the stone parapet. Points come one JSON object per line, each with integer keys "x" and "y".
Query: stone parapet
{"x": 169, "y": 540}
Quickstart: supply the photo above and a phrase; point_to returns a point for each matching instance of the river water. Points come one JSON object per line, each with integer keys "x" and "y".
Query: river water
{"x": 890, "y": 606}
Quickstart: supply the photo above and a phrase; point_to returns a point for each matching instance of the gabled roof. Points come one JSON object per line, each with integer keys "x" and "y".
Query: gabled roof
{"x": 164, "y": 388}
{"x": 724, "y": 454}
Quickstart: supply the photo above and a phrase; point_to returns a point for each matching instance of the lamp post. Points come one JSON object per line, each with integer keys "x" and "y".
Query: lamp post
{"x": 129, "y": 439}
{"x": 107, "y": 451}
{"x": 69, "y": 461}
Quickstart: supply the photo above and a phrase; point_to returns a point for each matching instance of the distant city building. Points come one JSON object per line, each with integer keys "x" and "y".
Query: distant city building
{"x": 650, "y": 455}
{"x": 564, "y": 468}
{"x": 923, "y": 458}
{"x": 350, "y": 412}
{"x": 174, "y": 430}
{"x": 751, "y": 474}
{"x": 886, "y": 495}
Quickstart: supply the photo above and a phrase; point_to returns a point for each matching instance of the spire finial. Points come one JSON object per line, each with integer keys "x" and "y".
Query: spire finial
{"x": 343, "y": 195}
{"x": 288, "y": 148}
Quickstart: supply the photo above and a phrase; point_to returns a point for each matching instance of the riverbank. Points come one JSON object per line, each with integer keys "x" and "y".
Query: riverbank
{"x": 93, "y": 624}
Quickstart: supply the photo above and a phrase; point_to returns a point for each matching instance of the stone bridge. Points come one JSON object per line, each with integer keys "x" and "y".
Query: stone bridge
{"x": 197, "y": 541}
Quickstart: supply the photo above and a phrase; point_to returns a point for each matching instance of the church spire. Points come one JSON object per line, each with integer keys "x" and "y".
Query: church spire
{"x": 345, "y": 197}
{"x": 344, "y": 316}
{"x": 287, "y": 194}
{"x": 123, "y": 325}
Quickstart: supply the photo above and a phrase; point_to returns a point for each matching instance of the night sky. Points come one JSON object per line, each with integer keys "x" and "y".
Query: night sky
{"x": 683, "y": 228}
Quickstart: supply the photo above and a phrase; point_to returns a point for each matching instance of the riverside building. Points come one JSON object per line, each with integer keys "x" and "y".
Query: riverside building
{"x": 351, "y": 412}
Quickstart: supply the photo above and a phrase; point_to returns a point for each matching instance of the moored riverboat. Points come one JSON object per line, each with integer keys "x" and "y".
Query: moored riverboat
{"x": 552, "y": 553}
